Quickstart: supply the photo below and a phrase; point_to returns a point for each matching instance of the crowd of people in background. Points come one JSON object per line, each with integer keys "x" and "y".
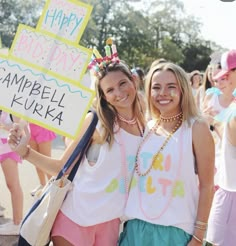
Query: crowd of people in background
{"x": 161, "y": 166}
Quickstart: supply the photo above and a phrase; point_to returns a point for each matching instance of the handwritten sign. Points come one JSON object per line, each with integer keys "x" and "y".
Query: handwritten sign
{"x": 42, "y": 78}
{"x": 66, "y": 19}
{"x": 41, "y": 51}
{"x": 40, "y": 98}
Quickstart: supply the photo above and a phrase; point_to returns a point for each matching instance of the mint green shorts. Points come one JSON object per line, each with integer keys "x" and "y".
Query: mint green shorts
{"x": 140, "y": 233}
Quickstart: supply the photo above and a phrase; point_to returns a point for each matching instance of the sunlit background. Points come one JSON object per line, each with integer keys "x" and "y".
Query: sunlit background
{"x": 218, "y": 18}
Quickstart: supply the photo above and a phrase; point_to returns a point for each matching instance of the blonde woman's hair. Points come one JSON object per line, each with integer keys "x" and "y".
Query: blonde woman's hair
{"x": 187, "y": 101}
{"x": 106, "y": 112}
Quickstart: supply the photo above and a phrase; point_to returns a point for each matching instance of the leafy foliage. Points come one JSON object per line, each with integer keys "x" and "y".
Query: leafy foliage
{"x": 143, "y": 30}
{"x": 13, "y": 12}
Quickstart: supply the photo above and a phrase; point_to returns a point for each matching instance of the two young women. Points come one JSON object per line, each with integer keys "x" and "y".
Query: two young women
{"x": 172, "y": 186}
{"x": 91, "y": 212}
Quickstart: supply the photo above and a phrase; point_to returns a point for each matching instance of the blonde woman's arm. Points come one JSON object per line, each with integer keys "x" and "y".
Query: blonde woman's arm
{"x": 204, "y": 151}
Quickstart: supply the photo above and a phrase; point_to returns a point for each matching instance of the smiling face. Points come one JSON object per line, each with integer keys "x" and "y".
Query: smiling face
{"x": 196, "y": 80}
{"x": 118, "y": 90}
{"x": 223, "y": 85}
{"x": 165, "y": 93}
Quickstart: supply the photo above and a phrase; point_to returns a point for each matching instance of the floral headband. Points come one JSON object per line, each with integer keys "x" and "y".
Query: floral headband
{"x": 99, "y": 63}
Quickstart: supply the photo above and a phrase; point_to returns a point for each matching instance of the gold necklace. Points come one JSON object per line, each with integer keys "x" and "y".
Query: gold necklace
{"x": 171, "y": 118}
{"x": 137, "y": 169}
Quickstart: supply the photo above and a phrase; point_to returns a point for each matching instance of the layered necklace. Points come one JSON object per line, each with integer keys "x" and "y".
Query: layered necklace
{"x": 171, "y": 118}
{"x": 133, "y": 121}
{"x": 179, "y": 118}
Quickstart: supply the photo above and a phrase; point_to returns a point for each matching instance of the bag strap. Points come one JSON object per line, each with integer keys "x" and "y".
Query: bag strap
{"x": 79, "y": 150}
{"x": 90, "y": 131}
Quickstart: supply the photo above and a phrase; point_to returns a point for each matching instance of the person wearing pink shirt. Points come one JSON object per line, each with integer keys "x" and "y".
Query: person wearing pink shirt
{"x": 9, "y": 161}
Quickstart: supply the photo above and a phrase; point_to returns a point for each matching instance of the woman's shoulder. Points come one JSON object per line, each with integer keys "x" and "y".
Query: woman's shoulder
{"x": 200, "y": 125}
{"x": 194, "y": 121}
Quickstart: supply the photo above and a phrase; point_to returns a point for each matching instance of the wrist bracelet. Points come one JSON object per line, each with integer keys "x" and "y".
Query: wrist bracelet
{"x": 200, "y": 223}
{"x": 26, "y": 153}
{"x": 202, "y": 228}
{"x": 198, "y": 239}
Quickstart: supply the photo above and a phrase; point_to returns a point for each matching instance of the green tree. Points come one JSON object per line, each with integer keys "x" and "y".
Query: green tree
{"x": 171, "y": 51}
{"x": 13, "y": 12}
{"x": 197, "y": 56}
{"x": 117, "y": 19}
{"x": 155, "y": 29}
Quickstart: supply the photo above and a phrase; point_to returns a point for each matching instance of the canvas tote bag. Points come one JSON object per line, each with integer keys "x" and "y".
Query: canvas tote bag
{"x": 37, "y": 224}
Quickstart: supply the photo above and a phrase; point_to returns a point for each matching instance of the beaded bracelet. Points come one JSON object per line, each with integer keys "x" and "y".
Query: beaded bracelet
{"x": 200, "y": 223}
{"x": 202, "y": 228}
{"x": 198, "y": 239}
{"x": 26, "y": 153}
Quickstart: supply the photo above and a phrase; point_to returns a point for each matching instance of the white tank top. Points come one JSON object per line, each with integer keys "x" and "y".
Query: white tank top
{"x": 99, "y": 192}
{"x": 227, "y": 178}
{"x": 168, "y": 194}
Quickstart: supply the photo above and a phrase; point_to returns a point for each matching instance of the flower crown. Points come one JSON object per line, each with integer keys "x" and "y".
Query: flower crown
{"x": 99, "y": 63}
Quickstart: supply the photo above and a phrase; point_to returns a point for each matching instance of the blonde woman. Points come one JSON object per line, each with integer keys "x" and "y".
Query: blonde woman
{"x": 172, "y": 187}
